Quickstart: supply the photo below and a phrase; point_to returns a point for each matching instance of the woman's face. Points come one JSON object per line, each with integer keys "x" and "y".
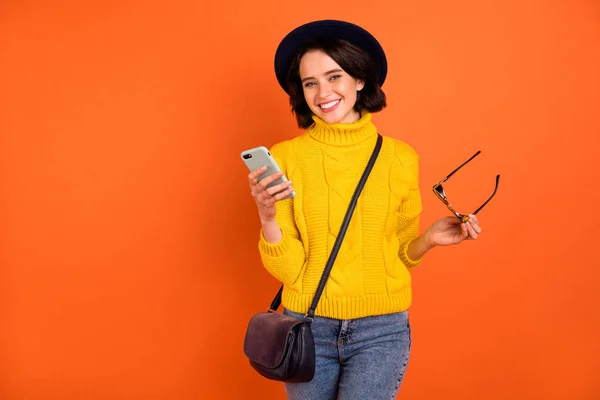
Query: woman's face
{"x": 329, "y": 91}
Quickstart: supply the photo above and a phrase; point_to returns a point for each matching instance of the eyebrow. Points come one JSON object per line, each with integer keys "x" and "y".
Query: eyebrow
{"x": 325, "y": 74}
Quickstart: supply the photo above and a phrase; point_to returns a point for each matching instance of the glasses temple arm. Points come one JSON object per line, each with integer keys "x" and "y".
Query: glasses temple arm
{"x": 461, "y": 165}
{"x": 488, "y": 200}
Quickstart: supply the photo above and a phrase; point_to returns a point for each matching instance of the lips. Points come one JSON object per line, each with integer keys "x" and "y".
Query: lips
{"x": 329, "y": 106}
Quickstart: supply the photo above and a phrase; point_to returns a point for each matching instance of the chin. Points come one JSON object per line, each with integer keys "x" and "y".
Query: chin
{"x": 330, "y": 118}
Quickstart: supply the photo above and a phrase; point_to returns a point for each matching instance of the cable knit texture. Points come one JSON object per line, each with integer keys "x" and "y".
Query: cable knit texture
{"x": 370, "y": 275}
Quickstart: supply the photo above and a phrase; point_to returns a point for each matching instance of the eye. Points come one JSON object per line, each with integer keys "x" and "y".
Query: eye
{"x": 334, "y": 77}
{"x": 309, "y": 84}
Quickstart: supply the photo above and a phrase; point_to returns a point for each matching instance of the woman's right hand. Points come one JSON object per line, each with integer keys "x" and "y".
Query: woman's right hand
{"x": 266, "y": 198}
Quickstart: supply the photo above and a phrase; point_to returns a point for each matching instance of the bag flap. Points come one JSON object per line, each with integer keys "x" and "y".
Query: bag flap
{"x": 266, "y": 337}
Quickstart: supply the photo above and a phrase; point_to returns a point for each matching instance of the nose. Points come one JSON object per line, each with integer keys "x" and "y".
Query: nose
{"x": 324, "y": 90}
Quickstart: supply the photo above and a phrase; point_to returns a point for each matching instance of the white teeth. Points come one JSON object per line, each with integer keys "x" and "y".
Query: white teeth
{"x": 330, "y": 104}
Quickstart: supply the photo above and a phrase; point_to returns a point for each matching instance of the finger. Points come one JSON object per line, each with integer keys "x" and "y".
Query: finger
{"x": 282, "y": 195}
{"x": 471, "y": 231}
{"x": 451, "y": 220}
{"x": 263, "y": 197}
{"x": 464, "y": 232}
{"x": 278, "y": 188}
{"x": 256, "y": 191}
{"x": 253, "y": 176}
{"x": 473, "y": 217}
{"x": 266, "y": 181}
{"x": 268, "y": 202}
{"x": 474, "y": 223}
{"x": 259, "y": 187}
{"x": 268, "y": 197}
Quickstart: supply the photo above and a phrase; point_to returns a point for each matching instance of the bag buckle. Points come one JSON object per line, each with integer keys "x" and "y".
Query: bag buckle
{"x": 309, "y": 318}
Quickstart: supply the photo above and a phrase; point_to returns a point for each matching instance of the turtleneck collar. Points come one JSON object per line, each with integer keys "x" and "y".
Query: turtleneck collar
{"x": 343, "y": 134}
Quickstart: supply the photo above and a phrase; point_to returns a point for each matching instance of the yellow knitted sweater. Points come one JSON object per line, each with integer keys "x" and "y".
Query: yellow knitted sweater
{"x": 370, "y": 275}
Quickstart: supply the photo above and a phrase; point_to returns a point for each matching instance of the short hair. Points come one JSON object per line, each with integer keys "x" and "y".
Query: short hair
{"x": 353, "y": 60}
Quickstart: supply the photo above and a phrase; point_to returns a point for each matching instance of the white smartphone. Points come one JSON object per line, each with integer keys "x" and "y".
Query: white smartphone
{"x": 261, "y": 157}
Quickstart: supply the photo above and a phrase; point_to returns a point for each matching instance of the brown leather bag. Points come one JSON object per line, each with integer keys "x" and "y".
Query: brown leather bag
{"x": 281, "y": 347}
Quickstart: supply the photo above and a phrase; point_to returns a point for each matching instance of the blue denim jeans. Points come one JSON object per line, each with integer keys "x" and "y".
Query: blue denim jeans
{"x": 363, "y": 358}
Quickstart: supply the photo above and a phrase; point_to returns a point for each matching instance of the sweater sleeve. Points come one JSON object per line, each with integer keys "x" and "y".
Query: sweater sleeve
{"x": 410, "y": 209}
{"x": 285, "y": 259}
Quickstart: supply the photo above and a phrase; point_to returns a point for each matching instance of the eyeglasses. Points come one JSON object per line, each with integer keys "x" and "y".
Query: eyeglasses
{"x": 439, "y": 192}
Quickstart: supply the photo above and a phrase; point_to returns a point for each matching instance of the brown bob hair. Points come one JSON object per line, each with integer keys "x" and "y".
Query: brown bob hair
{"x": 351, "y": 59}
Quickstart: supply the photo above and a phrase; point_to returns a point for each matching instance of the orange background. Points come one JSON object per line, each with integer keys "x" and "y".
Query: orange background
{"x": 129, "y": 261}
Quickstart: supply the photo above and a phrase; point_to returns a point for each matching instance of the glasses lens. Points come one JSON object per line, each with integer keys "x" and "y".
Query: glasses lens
{"x": 440, "y": 191}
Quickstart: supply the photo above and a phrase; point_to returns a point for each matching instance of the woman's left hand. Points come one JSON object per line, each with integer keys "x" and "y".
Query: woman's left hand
{"x": 450, "y": 230}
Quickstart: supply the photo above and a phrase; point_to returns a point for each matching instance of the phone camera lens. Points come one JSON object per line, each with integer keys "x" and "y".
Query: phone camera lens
{"x": 247, "y": 156}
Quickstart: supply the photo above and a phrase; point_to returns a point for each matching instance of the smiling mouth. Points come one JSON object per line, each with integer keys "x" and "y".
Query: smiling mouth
{"x": 329, "y": 105}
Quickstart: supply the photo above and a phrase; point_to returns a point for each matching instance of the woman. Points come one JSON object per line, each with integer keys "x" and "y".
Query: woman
{"x": 333, "y": 72}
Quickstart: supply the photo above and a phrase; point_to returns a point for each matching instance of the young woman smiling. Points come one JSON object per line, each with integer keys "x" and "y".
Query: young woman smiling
{"x": 333, "y": 72}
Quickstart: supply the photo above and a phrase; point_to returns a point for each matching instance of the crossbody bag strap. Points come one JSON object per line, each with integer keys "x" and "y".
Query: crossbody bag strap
{"x": 338, "y": 242}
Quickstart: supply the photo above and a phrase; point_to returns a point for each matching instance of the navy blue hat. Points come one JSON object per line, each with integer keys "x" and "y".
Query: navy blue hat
{"x": 291, "y": 44}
